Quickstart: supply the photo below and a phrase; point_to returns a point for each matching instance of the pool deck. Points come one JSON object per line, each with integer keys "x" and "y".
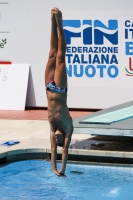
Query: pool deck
{"x": 31, "y": 128}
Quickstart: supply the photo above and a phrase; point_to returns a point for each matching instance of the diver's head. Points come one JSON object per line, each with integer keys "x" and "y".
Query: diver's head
{"x": 59, "y": 137}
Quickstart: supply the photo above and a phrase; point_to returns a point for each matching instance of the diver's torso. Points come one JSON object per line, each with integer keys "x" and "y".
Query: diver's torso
{"x": 58, "y": 113}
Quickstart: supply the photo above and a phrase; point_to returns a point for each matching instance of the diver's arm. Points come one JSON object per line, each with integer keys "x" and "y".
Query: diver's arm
{"x": 65, "y": 152}
{"x": 53, "y": 152}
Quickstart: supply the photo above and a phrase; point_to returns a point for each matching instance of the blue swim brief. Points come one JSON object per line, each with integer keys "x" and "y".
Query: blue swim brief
{"x": 52, "y": 87}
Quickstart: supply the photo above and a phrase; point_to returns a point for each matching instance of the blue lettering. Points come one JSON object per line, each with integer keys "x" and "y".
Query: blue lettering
{"x": 104, "y": 49}
{"x": 88, "y": 68}
{"x": 127, "y": 23}
{"x": 90, "y": 71}
{"x": 68, "y": 34}
{"x": 87, "y": 35}
{"x": 76, "y": 59}
{"x": 79, "y": 49}
{"x": 96, "y": 59}
{"x": 69, "y": 57}
{"x": 69, "y": 70}
{"x": 89, "y": 58}
{"x": 104, "y": 58}
{"x": 96, "y": 50}
{"x": 80, "y": 74}
{"x": 85, "y": 50}
{"x": 100, "y": 35}
{"x": 74, "y": 49}
{"x": 109, "y": 71}
{"x": 110, "y": 50}
{"x": 90, "y": 50}
{"x": 82, "y": 58}
{"x": 101, "y": 67}
{"x": 115, "y": 50}
{"x": 129, "y": 48}
{"x": 126, "y": 33}
{"x": 68, "y": 49}
{"x": 131, "y": 30}
{"x": 113, "y": 59}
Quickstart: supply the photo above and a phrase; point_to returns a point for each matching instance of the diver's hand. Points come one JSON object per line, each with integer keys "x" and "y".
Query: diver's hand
{"x": 62, "y": 174}
{"x": 56, "y": 172}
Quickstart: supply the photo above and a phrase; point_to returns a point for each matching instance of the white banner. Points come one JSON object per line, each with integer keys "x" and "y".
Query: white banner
{"x": 13, "y": 86}
{"x": 99, "y": 52}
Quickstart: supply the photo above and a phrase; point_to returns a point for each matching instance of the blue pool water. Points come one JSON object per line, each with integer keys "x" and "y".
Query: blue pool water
{"x": 34, "y": 180}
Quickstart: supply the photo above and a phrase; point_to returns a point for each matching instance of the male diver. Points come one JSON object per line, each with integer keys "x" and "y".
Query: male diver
{"x": 61, "y": 125}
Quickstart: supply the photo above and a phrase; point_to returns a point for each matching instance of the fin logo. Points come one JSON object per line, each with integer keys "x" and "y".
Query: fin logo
{"x": 92, "y": 32}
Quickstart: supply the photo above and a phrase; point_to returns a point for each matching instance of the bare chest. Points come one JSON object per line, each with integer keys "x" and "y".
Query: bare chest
{"x": 60, "y": 122}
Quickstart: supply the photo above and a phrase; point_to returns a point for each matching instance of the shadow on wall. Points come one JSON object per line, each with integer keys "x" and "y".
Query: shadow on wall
{"x": 30, "y": 99}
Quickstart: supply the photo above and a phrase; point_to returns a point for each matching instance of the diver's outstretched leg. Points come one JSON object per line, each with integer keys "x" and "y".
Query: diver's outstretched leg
{"x": 51, "y": 64}
{"x": 60, "y": 76}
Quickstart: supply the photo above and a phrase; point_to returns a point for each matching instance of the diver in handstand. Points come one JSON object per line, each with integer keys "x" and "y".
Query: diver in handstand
{"x": 61, "y": 125}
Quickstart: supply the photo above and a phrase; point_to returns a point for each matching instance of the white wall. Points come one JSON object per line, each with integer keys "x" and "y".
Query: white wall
{"x": 28, "y": 24}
